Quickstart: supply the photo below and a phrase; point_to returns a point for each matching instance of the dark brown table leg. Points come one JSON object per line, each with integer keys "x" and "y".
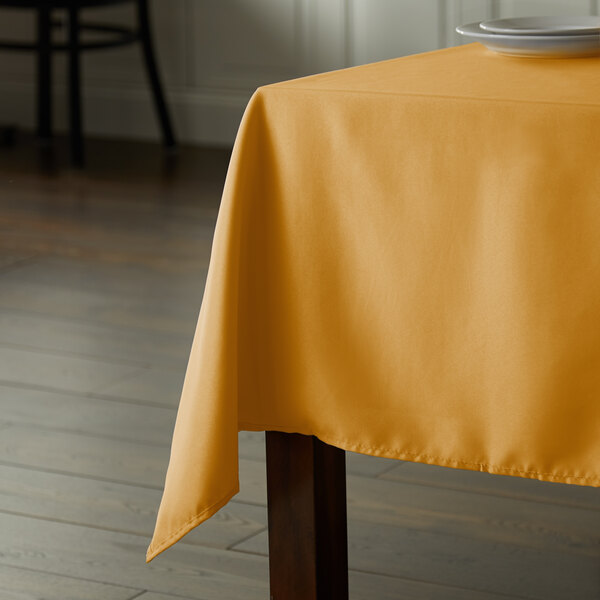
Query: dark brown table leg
{"x": 308, "y": 542}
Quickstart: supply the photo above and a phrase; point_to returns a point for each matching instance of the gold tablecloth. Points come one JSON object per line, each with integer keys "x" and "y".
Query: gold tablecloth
{"x": 406, "y": 264}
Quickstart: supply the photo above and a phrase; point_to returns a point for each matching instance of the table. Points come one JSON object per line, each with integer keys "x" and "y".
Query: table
{"x": 406, "y": 264}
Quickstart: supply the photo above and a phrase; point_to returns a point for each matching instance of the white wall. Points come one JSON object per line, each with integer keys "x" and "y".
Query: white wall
{"x": 214, "y": 53}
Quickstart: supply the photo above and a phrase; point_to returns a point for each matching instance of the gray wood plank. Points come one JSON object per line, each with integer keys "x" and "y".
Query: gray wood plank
{"x": 59, "y": 372}
{"x": 368, "y": 466}
{"x": 72, "y": 453}
{"x": 115, "y": 507}
{"x": 485, "y": 483}
{"x": 124, "y": 278}
{"x": 155, "y": 385}
{"x": 117, "y": 558}
{"x": 25, "y": 584}
{"x": 115, "y": 202}
{"x": 92, "y": 340}
{"x": 155, "y": 596}
{"x": 485, "y": 517}
{"x": 369, "y": 586}
{"x": 80, "y": 414}
{"x": 74, "y": 237}
{"x": 149, "y": 314}
{"x": 111, "y": 232}
{"x": 252, "y": 445}
{"x": 473, "y": 564}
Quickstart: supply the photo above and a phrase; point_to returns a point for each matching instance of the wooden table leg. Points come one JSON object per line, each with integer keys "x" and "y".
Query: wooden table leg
{"x": 308, "y": 542}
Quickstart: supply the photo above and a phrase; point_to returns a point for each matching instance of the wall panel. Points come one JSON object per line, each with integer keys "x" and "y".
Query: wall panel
{"x": 380, "y": 29}
{"x": 524, "y": 8}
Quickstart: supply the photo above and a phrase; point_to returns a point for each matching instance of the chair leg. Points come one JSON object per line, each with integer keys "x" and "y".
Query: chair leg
{"x": 77, "y": 151}
{"x": 44, "y": 74}
{"x": 153, "y": 75}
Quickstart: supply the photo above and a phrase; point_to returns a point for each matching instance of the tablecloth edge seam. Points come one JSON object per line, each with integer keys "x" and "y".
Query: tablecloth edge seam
{"x": 594, "y": 481}
{"x": 155, "y": 549}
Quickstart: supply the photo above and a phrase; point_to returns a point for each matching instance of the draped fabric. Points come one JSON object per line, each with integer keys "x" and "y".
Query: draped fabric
{"x": 406, "y": 264}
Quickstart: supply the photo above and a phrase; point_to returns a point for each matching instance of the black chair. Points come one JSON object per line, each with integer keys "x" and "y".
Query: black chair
{"x": 112, "y": 36}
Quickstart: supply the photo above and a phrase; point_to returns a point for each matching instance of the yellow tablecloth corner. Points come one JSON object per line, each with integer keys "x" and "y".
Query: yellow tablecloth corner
{"x": 406, "y": 264}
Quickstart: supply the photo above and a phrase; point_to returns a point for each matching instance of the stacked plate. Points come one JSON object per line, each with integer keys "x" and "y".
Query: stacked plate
{"x": 551, "y": 37}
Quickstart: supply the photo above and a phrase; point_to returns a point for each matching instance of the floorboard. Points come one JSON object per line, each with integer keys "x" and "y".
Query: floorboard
{"x": 80, "y": 414}
{"x": 95, "y": 341}
{"x": 27, "y": 584}
{"x": 76, "y": 454}
{"x": 56, "y": 371}
{"x": 149, "y": 314}
{"x": 458, "y": 561}
{"x": 202, "y": 573}
{"x": 155, "y": 385}
{"x": 501, "y": 485}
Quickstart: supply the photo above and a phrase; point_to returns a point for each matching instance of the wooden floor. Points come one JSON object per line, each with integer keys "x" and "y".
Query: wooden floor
{"x": 101, "y": 279}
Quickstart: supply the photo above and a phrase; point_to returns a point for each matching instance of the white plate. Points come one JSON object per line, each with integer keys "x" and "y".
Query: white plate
{"x": 534, "y": 46}
{"x": 544, "y": 26}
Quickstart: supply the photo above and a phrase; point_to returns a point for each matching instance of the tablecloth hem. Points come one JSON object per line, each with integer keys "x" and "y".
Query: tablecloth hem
{"x": 587, "y": 480}
{"x": 155, "y": 549}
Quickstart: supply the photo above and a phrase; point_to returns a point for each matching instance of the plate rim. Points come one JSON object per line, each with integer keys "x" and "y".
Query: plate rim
{"x": 474, "y": 30}
{"x": 571, "y": 30}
